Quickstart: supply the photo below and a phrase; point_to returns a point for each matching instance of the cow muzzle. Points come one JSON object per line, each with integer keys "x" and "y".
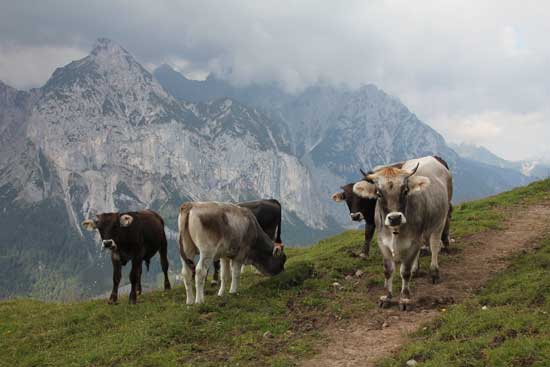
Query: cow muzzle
{"x": 357, "y": 216}
{"x": 395, "y": 219}
{"x": 109, "y": 244}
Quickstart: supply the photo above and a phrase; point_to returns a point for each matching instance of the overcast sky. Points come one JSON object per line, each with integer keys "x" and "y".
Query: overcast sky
{"x": 476, "y": 71}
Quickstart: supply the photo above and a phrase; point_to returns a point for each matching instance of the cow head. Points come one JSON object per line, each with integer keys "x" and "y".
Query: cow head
{"x": 269, "y": 257}
{"x": 353, "y": 201}
{"x": 108, "y": 226}
{"x": 392, "y": 187}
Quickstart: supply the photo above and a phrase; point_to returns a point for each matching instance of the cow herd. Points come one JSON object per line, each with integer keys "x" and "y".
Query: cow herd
{"x": 408, "y": 203}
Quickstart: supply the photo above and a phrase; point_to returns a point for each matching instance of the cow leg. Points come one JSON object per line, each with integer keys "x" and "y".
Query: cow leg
{"x": 163, "y": 252}
{"x": 216, "y": 278}
{"x": 416, "y": 264}
{"x": 135, "y": 278}
{"x": 225, "y": 274}
{"x": 405, "y": 303}
{"x": 235, "y": 276}
{"x": 138, "y": 287}
{"x": 187, "y": 275}
{"x": 389, "y": 266}
{"x": 369, "y": 233}
{"x": 446, "y": 236}
{"x": 117, "y": 274}
{"x": 435, "y": 247}
{"x": 201, "y": 271}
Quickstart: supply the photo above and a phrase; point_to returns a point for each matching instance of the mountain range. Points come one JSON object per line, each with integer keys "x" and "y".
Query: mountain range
{"x": 105, "y": 134}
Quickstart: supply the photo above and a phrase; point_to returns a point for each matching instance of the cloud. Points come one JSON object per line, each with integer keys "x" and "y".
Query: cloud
{"x": 26, "y": 67}
{"x": 498, "y": 131}
{"x": 457, "y": 57}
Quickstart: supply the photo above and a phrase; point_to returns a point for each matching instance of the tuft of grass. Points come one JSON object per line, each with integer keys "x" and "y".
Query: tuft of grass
{"x": 294, "y": 307}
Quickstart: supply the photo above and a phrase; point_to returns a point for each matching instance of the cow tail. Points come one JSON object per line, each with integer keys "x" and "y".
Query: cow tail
{"x": 184, "y": 236}
{"x": 278, "y": 235}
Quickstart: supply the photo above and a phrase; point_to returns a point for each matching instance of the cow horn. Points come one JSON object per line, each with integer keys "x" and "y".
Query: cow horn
{"x": 366, "y": 176}
{"x": 414, "y": 170}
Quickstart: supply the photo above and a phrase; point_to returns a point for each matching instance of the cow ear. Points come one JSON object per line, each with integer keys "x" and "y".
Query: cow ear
{"x": 418, "y": 183}
{"x": 337, "y": 196}
{"x": 126, "y": 220}
{"x": 89, "y": 225}
{"x": 365, "y": 190}
{"x": 278, "y": 249}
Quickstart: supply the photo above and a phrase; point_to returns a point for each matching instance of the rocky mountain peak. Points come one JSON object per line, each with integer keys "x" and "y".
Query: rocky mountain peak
{"x": 105, "y": 46}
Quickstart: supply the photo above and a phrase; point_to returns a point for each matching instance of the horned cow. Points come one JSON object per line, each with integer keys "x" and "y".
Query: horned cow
{"x": 413, "y": 206}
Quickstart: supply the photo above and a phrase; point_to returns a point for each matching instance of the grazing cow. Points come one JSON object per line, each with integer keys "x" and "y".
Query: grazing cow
{"x": 227, "y": 232}
{"x": 359, "y": 209}
{"x": 268, "y": 214}
{"x": 135, "y": 236}
{"x": 412, "y": 207}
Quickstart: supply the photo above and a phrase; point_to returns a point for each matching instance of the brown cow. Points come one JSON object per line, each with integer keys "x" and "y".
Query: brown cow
{"x": 135, "y": 236}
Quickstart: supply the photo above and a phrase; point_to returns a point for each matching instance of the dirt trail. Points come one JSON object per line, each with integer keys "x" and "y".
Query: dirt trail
{"x": 380, "y": 333}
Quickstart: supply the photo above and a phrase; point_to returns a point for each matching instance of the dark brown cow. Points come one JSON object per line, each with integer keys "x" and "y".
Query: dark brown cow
{"x": 135, "y": 236}
{"x": 359, "y": 209}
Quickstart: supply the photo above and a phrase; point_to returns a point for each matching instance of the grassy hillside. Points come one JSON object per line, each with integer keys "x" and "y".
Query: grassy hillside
{"x": 271, "y": 322}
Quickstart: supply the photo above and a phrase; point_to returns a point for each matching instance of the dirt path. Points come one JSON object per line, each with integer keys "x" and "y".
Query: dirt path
{"x": 381, "y": 332}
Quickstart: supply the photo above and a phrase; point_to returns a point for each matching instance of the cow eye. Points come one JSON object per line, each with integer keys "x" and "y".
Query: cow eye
{"x": 379, "y": 193}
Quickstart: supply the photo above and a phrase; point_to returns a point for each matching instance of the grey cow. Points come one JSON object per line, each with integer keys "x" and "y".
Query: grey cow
{"x": 412, "y": 207}
{"x": 227, "y": 232}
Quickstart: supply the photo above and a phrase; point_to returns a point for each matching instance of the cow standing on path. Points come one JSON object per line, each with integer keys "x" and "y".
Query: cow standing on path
{"x": 363, "y": 209}
{"x": 135, "y": 236}
{"x": 227, "y": 232}
{"x": 413, "y": 204}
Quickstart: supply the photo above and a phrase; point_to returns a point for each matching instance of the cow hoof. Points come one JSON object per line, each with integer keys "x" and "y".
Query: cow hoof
{"x": 384, "y": 303}
{"x": 167, "y": 287}
{"x": 435, "y": 278}
{"x": 445, "y": 250}
{"x": 113, "y": 302}
{"x": 406, "y": 307}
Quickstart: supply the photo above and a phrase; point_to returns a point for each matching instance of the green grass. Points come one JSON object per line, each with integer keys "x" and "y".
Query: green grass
{"x": 294, "y": 307}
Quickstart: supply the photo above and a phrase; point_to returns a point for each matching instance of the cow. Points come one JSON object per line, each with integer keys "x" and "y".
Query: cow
{"x": 359, "y": 209}
{"x": 135, "y": 236}
{"x": 268, "y": 213}
{"x": 412, "y": 207}
{"x": 363, "y": 209}
{"x": 227, "y": 232}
